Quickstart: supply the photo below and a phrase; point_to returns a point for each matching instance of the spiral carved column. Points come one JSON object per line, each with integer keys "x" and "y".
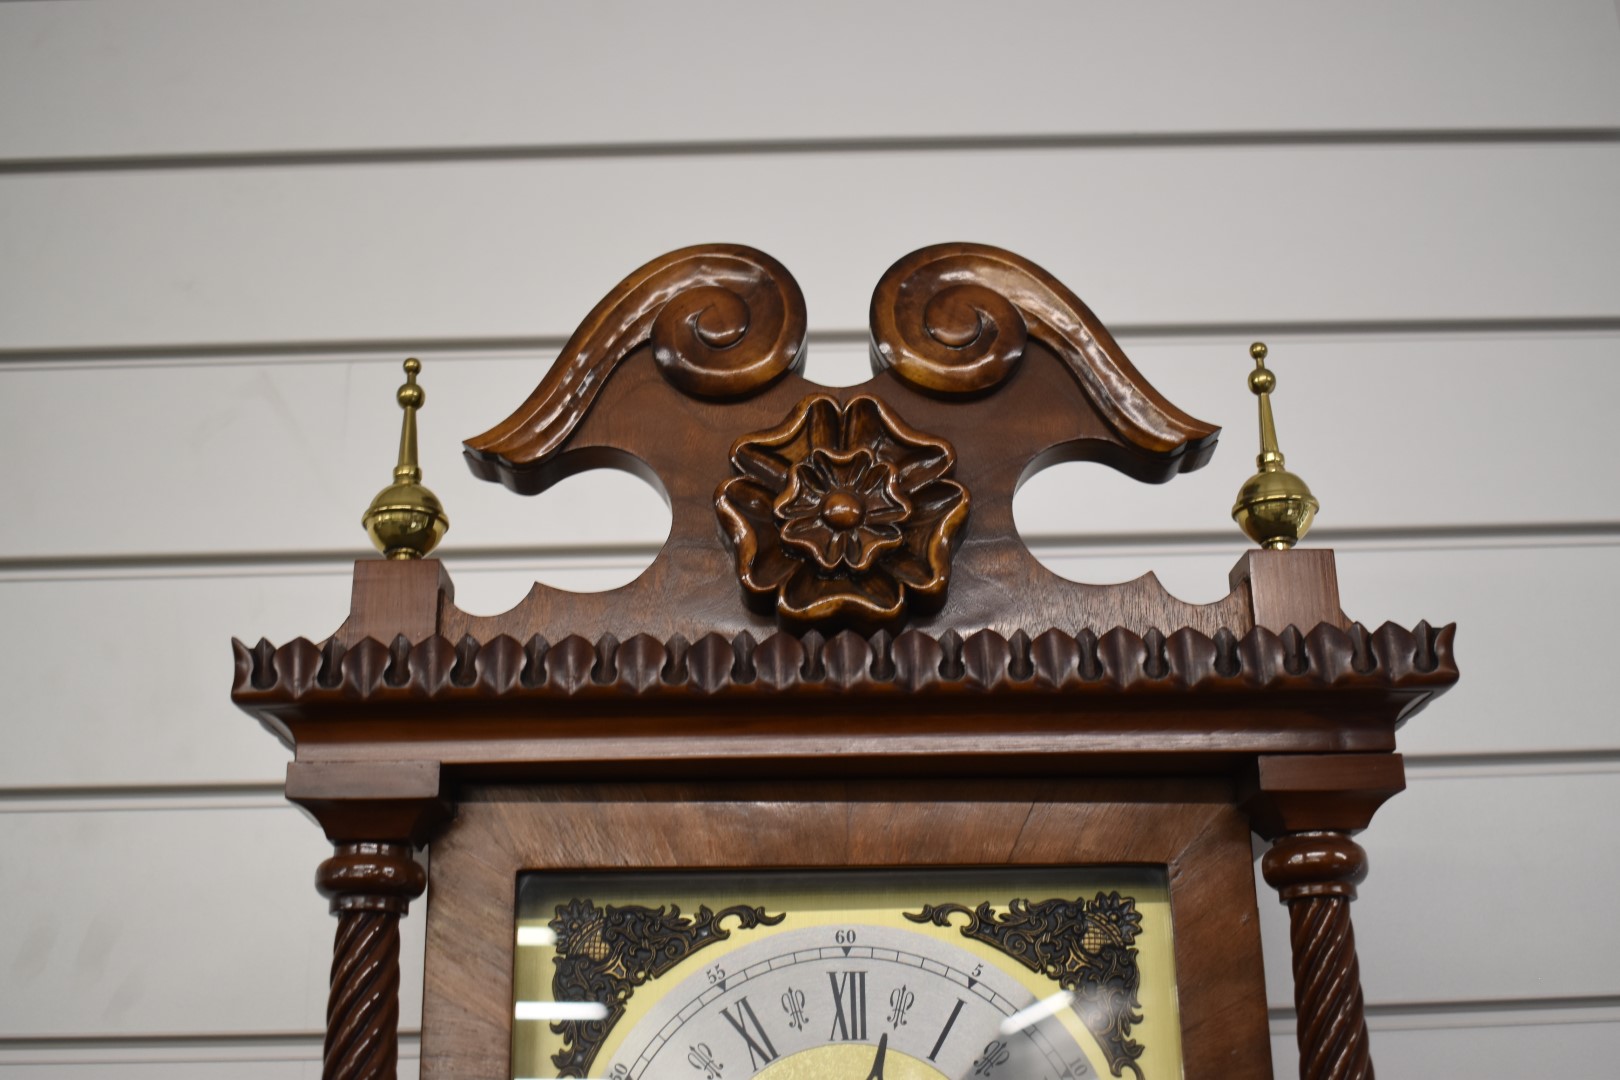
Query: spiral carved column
{"x": 370, "y": 886}
{"x": 1316, "y": 874}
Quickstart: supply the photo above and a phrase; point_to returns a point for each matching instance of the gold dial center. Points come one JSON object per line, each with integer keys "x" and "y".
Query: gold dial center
{"x": 842, "y": 510}
{"x": 847, "y": 1061}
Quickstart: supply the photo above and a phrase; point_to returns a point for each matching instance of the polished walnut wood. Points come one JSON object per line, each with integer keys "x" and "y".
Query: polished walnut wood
{"x": 1316, "y": 874}
{"x": 375, "y": 816}
{"x": 1308, "y": 805}
{"x": 844, "y": 655}
{"x": 1063, "y": 391}
{"x": 943, "y": 706}
{"x": 1298, "y": 587}
{"x": 957, "y": 319}
{"x": 1190, "y": 827}
{"x": 370, "y": 886}
{"x": 718, "y": 320}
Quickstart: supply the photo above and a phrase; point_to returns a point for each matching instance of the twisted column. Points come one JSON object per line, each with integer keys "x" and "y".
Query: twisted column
{"x": 1316, "y": 874}
{"x": 370, "y": 886}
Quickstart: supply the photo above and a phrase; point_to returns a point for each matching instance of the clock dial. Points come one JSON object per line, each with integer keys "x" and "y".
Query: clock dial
{"x": 903, "y": 975}
{"x": 797, "y": 1000}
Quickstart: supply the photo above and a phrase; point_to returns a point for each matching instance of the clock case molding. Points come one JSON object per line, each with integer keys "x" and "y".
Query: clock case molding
{"x": 905, "y": 687}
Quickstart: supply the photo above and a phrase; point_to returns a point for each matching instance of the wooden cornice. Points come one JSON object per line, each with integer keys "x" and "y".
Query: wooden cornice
{"x": 1186, "y": 692}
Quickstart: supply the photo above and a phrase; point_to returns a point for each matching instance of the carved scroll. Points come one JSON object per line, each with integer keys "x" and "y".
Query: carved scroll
{"x": 955, "y": 319}
{"x": 724, "y": 321}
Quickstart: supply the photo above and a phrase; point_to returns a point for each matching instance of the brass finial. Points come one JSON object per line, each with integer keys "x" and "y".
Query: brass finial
{"x": 406, "y": 520}
{"x": 1274, "y": 507}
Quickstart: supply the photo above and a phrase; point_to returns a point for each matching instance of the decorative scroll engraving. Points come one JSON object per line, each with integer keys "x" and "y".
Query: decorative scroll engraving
{"x": 1085, "y": 946}
{"x": 843, "y": 512}
{"x": 603, "y": 954}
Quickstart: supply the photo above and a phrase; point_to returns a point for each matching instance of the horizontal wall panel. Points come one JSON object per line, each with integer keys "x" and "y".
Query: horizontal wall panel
{"x": 1481, "y": 1044}
{"x": 205, "y": 921}
{"x": 77, "y": 79}
{"x": 199, "y": 922}
{"x": 1212, "y": 235}
{"x": 178, "y": 1059}
{"x": 1470, "y": 890}
{"x": 276, "y": 456}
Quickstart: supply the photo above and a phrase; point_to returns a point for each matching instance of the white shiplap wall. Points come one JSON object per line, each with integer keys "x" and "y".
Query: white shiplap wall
{"x": 224, "y": 223}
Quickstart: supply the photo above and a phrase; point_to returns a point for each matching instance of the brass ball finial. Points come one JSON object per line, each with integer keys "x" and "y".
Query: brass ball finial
{"x": 1274, "y": 507}
{"x": 406, "y": 520}
{"x": 411, "y": 396}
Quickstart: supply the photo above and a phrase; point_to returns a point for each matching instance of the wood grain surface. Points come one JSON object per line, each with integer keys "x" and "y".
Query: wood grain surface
{"x": 1189, "y": 827}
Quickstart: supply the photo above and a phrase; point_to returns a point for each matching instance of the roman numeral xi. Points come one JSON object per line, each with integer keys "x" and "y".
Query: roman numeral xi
{"x": 760, "y": 1050}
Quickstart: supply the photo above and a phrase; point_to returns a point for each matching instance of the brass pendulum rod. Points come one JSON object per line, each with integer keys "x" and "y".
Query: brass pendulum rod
{"x": 1274, "y": 507}
{"x": 406, "y": 520}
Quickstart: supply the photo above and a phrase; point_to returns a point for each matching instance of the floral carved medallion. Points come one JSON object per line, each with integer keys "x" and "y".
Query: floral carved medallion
{"x": 843, "y": 513}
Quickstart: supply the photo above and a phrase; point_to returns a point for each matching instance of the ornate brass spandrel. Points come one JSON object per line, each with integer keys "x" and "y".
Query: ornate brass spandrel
{"x": 1274, "y": 507}
{"x": 604, "y": 953}
{"x": 406, "y": 520}
{"x": 1085, "y": 946}
{"x": 843, "y": 513}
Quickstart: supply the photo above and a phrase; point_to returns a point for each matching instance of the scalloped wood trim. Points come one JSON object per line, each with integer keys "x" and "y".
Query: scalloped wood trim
{"x": 916, "y": 664}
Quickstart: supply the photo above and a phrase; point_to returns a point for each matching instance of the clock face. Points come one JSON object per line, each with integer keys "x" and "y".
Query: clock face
{"x": 1005, "y": 974}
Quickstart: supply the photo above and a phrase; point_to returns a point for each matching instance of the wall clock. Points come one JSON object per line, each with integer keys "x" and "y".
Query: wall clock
{"x": 944, "y": 979}
{"x": 845, "y": 784}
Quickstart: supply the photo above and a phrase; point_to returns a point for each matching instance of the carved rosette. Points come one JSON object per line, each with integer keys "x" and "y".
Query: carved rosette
{"x": 843, "y": 513}
{"x": 1085, "y": 946}
{"x": 604, "y": 953}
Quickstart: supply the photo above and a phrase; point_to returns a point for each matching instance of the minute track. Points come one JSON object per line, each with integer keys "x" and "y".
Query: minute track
{"x": 951, "y": 1028}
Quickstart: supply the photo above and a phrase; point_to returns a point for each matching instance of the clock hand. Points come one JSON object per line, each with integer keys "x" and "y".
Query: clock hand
{"x": 877, "y": 1062}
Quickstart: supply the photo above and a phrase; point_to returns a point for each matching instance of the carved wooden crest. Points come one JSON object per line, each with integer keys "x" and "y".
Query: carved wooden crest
{"x": 880, "y": 506}
{"x": 844, "y": 608}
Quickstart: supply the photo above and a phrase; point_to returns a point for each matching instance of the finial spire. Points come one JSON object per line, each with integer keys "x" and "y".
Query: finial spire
{"x": 1274, "y": 507}
{"x": 406, "y": 520}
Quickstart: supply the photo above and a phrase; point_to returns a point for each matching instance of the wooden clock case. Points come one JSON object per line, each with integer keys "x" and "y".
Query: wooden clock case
{"x": 923, "y": 693}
